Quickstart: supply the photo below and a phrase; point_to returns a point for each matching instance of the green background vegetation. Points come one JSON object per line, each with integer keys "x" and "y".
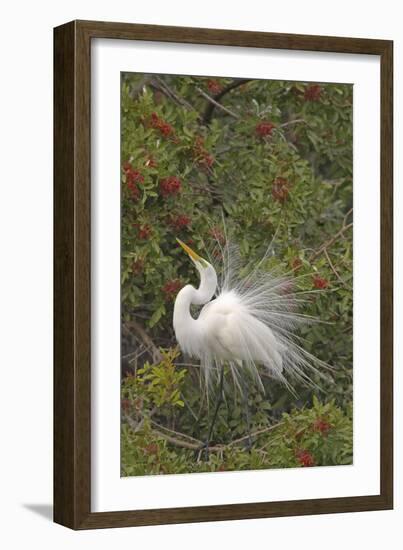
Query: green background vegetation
{"x": 276, "y": 158}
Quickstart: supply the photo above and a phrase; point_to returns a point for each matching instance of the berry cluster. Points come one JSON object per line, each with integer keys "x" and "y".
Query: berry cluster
{"x": 214, "y": 86}
{"x": 144, "y": 232}
{"x": 133, "y": 179}
{"x": 280, "y": 189}
{"x": 171, "y": 288}
{"x": 321, "y": 426}
{"x": 296, "y": 263}
{"x": 305, "y": 458}
{"x": 201, "y": 154}
{"x": 264, "y": 128}
{"x": 320, "y": 282}
{"x": 170, "y": 186}
{"x": 179, "y": 222}
{"x": 161, "y": 125}
{"x": 313, "y": 92}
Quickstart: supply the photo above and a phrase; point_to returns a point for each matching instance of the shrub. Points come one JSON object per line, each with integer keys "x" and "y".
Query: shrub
{"x": 276, "y": 163}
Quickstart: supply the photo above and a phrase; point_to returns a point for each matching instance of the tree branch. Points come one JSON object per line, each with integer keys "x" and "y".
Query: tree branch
{"x": 133, "y": 326}
{"x": 175, "y": 433}
{"x": 331, "y": 241}
{"x": 294, "y": 121}
{"x": 208, "y": 113}
{"x": 160, "y": 84}
{"x": 216, "y": 103}
{"x": 188, "y": 442}
{"x": 254, "y": 434}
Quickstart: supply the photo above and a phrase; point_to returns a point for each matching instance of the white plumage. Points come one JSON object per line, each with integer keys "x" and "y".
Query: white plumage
{"x": 249, "y": 325}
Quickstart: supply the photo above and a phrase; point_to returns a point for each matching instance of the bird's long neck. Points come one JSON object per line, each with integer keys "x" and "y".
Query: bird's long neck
{"x": 185, "y": 325}
{"x": 207, "y": 287}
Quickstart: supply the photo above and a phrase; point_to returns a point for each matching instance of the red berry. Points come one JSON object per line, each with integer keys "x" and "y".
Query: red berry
{"x": 155, "y": 120}
{"x": 201, "y": 155}
{"x": 171, "y": 288}
{"x": 179, "y": 222}
{"x": 144, "y": 232}
{"x": 305, "y": 458}
{"x": 313, "y": 92}
{"x": 320, "y": 282}
{"x": 280, "y": 189}
{"x": 161, "y": 125}
{"x": 134, "y": 176}
{"x": 166, "y": 129}
{"x": 214, "y": 86}
{"x": 170, "y": 186}
{"x": 321, "y": 426}
{"x": 135, "y": 193}
{"x": 264, "y": 128}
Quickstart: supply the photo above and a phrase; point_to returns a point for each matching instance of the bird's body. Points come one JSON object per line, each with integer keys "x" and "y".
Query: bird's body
{"x": 249, "y": 325}
{"x": 224, "y": 330}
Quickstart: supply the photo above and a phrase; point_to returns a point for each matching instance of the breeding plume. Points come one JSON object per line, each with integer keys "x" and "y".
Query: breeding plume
{"x": 246, "y": 323}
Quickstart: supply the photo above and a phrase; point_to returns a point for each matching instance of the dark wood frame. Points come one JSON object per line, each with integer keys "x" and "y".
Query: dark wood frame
{"x": 72, "y": 320}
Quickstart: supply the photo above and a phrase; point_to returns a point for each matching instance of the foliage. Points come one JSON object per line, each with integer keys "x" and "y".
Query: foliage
{"x": 276, "y": 159}
{"x": 156, "y": 385}
{"x": 316, "y": 436}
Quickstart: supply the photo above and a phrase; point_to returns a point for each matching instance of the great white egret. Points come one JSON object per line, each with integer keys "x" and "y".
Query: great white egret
{"x": 245, "y": 323}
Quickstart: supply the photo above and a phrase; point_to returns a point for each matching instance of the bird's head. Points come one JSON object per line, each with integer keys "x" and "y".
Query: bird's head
{"x": 208, "y": 276}
{"x": 200, "y": 263}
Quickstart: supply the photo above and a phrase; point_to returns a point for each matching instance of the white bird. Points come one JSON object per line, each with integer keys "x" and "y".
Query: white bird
{"x": 249, "y": 325}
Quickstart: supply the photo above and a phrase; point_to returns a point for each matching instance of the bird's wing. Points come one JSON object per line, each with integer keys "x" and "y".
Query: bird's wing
{"x": 236, "y": 335}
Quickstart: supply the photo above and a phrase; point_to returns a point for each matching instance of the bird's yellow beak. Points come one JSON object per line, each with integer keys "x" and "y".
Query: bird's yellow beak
{"x": 189, "y": 251}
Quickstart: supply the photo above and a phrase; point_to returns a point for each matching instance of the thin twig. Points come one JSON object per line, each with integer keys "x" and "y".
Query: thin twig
{"x": 295, "y": 121}
{"x": 208, "y": 113}
{"x": 216, "y": 103}
{"x": 169, "y": 92}
{"x": 140, "y": 332}
{"x": 331, "y": 241}
{"x": 138, "y": 355}
{"x": 214, "y": 448}
{"x": 332, "y": 267}
{"x": 185, "y": 444}
{"x": 254, "y": 434}
{"x": 176, "y": 433}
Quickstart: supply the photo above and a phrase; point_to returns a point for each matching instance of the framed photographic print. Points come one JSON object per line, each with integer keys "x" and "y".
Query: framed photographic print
{"x": 223, "y": 275}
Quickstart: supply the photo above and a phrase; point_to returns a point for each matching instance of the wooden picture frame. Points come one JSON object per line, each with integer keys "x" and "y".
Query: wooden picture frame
{"x": 72, "y": 269}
